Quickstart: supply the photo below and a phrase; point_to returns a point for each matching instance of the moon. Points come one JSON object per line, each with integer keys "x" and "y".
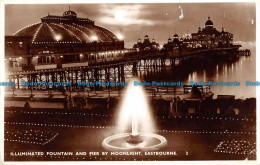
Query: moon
{"x": 120, "y": 15}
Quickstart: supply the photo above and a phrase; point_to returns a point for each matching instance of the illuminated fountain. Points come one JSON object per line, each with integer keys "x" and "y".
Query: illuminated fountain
{"x": 134, "y": 113}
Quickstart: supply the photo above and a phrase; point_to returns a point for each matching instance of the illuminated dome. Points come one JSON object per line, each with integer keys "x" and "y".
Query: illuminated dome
{"x": 66, "y": 29}
{"x": 209, "y": 22}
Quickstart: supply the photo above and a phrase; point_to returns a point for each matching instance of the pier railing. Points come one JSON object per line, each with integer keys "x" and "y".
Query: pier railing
{"x": 244, "y": 52}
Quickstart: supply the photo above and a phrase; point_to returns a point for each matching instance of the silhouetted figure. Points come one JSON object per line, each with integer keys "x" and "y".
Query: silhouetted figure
{"x": 195, "y": 92}
{"x": 66, "y": 102}
{"x": 27, "y": 105}
{"x": 171, "y": 108}
{"x": 108, "y": 103}
{"x": 78, "y": 107}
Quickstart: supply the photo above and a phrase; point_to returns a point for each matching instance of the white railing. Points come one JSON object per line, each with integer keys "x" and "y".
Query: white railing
{"x": 74, "y": 64}
{"x": 49, "y": 66}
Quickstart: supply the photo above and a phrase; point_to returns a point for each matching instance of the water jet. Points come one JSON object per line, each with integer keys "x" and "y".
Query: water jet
{"x": 135, "y": 108}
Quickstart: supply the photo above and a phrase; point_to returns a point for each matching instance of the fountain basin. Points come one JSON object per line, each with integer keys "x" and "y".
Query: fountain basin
{"x": 134, "y": 139}
{"x": 119, "y": 142}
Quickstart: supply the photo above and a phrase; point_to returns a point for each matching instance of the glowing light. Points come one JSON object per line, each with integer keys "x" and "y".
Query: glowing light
{"x": 135, "y": 110}
{"x": 68, "y": 31}
{"x": 89, "y": 31}
{"x": 120, "y": 36}
{"x": 94, "y": 38}
{"x": 125, "y": 15}
{"x": 86, "y": 36}
{"x": 104, "y": 33}
{"x": 120, "y": 15}
{"x": 58, "y": 37}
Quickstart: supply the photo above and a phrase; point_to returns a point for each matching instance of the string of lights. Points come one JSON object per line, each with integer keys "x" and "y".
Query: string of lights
{"x": 82, "y": 157}
{"x": 94, "y": 36}
{"x": 30, "y": 136}
{"x": 70, "y": 32}
{"x": 36, "y": 33}
{"x": 106, "y": 115}
{"x": 112, "y": 127}
{"x": 103, "y": 33}
{"x": 236, "y": 147}
{"x": 55, "y": 37}
{"x": 27, "y": 27}
{"x": 88, "y": 38}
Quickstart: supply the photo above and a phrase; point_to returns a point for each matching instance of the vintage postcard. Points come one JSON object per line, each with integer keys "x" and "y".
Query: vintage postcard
{"x": 130, "y": 82}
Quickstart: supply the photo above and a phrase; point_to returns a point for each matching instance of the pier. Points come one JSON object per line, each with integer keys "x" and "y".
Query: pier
{"x": 118, "y": 69}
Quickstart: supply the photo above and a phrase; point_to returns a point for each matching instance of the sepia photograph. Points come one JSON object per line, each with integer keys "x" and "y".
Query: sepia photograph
{"x": 130, "y": 82}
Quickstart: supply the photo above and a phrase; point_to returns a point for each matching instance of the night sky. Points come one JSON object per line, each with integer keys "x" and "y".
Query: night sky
{"x": 158, "y": 20}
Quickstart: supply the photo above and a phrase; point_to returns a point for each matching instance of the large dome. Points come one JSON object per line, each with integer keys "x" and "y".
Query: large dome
{"x": 66, "y": 29}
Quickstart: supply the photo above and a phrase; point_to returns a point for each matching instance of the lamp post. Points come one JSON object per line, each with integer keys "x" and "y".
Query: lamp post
{"x": 31, "y": 93}
{"x": 13, "y": 91}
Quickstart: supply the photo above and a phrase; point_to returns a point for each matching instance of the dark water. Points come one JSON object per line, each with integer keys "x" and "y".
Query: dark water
{"x": 239, "y": 70}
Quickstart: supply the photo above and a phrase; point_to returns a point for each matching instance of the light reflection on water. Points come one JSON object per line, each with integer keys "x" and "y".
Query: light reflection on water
{"x": 241, "y": 71}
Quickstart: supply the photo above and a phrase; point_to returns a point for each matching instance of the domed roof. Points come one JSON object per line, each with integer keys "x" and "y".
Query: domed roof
{"x": 69, "y": 13}
{"x": 58, "y": 29}
{"x": 209, "y": 22}
{"x": 175, "y": 36}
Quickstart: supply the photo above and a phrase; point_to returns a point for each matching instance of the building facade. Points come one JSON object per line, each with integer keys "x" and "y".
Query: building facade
{"x": 210, "y": 37}
{"x": 146, "y": 45}
{"x": 205, "y": 38}
{"x": 59, "y": 41}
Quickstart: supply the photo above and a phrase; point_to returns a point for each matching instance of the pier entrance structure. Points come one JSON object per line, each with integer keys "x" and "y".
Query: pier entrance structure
{"x": 59, "y": 42}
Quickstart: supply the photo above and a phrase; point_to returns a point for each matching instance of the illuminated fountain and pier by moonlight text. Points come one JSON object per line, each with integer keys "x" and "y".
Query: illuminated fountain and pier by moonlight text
{"x": 134, "y": 113}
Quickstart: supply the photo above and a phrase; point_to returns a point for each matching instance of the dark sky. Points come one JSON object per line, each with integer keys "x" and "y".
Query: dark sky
{"x": 155, "y": 19}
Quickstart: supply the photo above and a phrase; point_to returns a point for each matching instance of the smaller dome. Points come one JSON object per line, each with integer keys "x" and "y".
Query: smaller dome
{"x": 69, "y": 13}
{"x": 146, "y": 38}
{"x": 199, "y": 30}
{"x": 175, "y": 36}
{"x": 209, "y": 22}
